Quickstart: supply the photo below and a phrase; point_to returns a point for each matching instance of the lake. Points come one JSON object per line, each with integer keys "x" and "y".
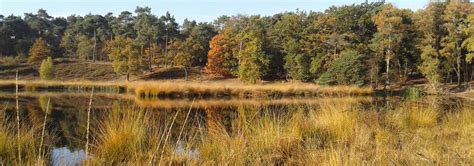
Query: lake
{"x": 123, "y": 128}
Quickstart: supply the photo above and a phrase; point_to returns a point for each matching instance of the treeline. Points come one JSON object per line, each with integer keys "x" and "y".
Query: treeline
{"x": 365, "y": 44}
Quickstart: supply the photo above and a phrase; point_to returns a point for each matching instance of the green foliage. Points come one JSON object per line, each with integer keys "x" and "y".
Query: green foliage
{"x": 430, "y": 66}
{"x": 297, "y": 63}
{"x": 68, "y": 43}
{"x": 413, "y": 93}
{"x": 85, "y": 47}
{"x": 253, "y": 61}
{"x": 468, "y": 44}
{"x": 124, "y": 55}
{"x": 184, "y": 51}
{"x": 46, "y": 70}
{"x": 349, "y": 69}
{"x": 436, "y": 41}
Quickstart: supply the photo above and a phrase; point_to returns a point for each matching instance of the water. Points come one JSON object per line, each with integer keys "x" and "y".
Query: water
{"x": 65, "y": 157}
{"x": 68, "y": 116}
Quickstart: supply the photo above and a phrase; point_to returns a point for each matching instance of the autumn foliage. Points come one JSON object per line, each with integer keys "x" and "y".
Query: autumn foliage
{"x": 38, "y": 51}
{"x": 216, "y": 56}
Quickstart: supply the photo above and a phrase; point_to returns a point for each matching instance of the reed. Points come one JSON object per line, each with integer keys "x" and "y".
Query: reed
{"x": 43, "y": 130}
{"x": 344, "y": 135}
{"x": 179, "y": 89}
{"x": 68, "y": 86}
{"x": 329, "y": 132}
{"x": 218, "y": 89}
{"x": 10, "y": 139}
{"x": 129, "y": 136}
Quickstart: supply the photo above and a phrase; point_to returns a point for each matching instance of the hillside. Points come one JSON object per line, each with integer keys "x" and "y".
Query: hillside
{"x": 67, "y": 69}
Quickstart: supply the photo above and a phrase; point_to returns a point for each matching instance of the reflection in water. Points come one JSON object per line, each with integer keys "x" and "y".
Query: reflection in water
{"x": 281, "y": 130}
{"x": 182, "y": 151}
{"x": 64, "y": 157}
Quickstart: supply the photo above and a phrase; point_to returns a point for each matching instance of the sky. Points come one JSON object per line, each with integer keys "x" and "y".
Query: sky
{"x": 199, "y": 10}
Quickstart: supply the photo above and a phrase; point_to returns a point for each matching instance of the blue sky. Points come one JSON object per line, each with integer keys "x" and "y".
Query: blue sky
{"x": 199, "y": 10}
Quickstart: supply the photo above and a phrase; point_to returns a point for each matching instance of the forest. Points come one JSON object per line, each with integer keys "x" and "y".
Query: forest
{"x": 368, "y": 44}
{"x": 357, "y": 84}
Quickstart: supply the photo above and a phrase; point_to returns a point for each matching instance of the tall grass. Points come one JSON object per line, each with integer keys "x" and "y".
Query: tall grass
{"x": 68, "y": 86}
{"x": 28, "y": 139}
{"x": 178, "y": 89}
{"x": 336, "y": 134}
{"x": 129, "y": 136}
{"x": 218, "y": 89}
{"x": 327, "y": 133}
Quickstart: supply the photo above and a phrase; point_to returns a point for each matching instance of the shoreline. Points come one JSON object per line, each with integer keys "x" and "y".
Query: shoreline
{"x": 180, "y": 89}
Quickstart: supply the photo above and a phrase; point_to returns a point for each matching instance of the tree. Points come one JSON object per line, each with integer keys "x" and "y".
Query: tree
{"x": 69, "y": 39}
{"x": 39, "y": 51}
{"x": 145, "y": 28}
{"x": 388, "y": 39}
{"x": 46, "y": 69}
{"x": 349, "y": 69}
{"x": 468, "y": 44}
{"x": 201, "y": 34}
{"x": 430, "y": 25}
{"x": 220, "y": 60}
{"x": 455, "y": 20}
{"x": 123, "y": 25}
{"x": 170, "y": 31}
{"x": 253, "y": 63}
{"x": 15, "y": 36}
{"x": 124, "y": 55}
{"x": 184, "y": 52}
{"x": 85, "y": 47}
{"x": 287, "y": 37}
{"x": 430, "y": 66}
{"x": 97, "y": 28}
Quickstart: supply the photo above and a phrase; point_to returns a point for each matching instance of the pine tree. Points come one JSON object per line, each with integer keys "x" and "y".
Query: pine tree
{"x": 124, "y": 55}
{"x": 39, "y": 51}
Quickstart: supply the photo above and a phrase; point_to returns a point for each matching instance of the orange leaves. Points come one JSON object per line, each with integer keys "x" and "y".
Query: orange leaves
{"x": 39, "y": 51}
{"x": 216, "y": 56}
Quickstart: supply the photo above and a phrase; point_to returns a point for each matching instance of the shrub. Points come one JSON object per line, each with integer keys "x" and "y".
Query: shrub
{"x": 346, "y": 70}
{"x": 46, "y": 69}
{"x": 413, "y": 93}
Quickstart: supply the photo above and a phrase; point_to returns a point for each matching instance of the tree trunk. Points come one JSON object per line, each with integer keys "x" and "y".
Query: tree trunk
{"x": 95, "y": 45}
{"x": 149, "y": 55}
{"x": 185, "y": 73}
{"x": 387, "y": 81}
{"x": 128, "y": 76}
{"x": 166, "y": 51}
{"x": 448, "y": 79}
{"x": 458, "y": 72}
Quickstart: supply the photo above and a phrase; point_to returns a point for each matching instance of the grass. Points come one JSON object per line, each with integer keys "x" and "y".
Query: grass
{"x": 122, "y": 136}
{"x": 330, "y": 132}
{"x": 339, "y": 135}
{"x": 181, "y": 89}
{"x": 71, "y": 86}
{"x": 129, "y": 136}
{"x": 217, "y": 89}
{"x": 29, "y": 141}
{"x": 12, "y": 60}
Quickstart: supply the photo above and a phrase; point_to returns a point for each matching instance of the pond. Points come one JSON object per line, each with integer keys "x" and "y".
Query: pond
{"x": 57, "y": 128}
